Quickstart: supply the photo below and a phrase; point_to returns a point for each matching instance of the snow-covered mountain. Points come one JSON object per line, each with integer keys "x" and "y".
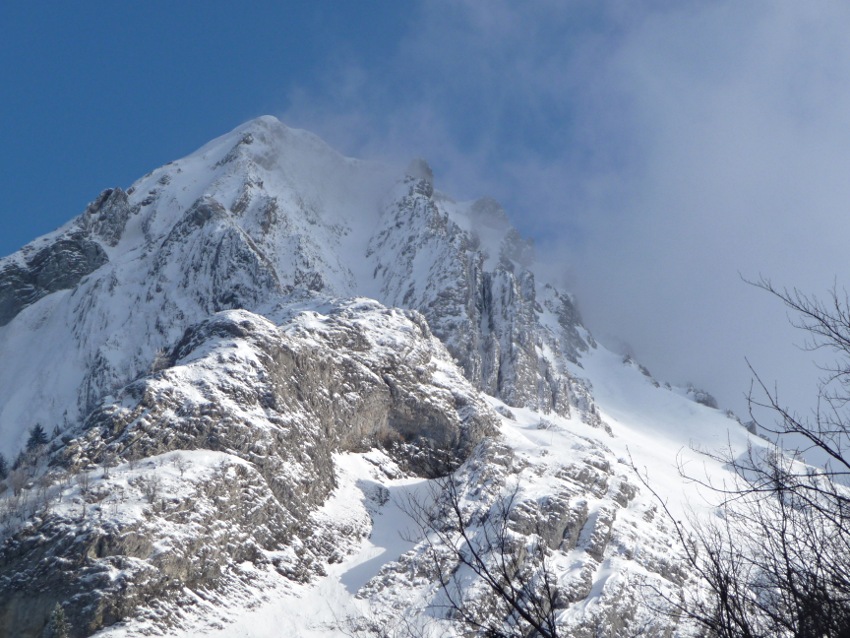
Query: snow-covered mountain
{"x": 255, "y": 359}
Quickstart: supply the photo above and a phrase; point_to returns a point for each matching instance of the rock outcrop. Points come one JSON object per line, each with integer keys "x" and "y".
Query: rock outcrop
{"x": 475, "y": 289}
{"x": 253, "y": 414}
{"x": 58, "y": 266}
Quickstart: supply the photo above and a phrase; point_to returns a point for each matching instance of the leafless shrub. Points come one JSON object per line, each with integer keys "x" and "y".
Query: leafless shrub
{"x": 18, "y": 479}
{"x": 512, "y": 568}
{"x": 182, "y": 464}
{"x": 83, "y": 480}
{"x": 150, "y": 486}
{"x": 776, "y": 560}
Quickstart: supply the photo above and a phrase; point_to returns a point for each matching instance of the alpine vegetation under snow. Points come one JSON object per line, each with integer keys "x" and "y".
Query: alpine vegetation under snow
{"x": 269, "y": 390}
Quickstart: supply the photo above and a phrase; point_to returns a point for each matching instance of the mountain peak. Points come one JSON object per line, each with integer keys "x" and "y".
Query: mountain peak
{"x": 200, "y": 346}
{"x": 420, "y": 169}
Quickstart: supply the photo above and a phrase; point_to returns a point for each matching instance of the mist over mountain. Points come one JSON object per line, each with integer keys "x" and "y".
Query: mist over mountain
{"x": 250, "y": 362}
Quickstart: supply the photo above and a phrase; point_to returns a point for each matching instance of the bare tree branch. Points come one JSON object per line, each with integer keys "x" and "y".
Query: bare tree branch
{"x": 776, "y": 560}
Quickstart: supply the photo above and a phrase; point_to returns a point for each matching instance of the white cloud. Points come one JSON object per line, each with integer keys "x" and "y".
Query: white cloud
{"x": 656, "y": 149}
{"x": 740, "y": 125}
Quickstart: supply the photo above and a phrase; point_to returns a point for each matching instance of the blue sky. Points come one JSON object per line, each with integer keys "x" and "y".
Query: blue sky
{"x": 656, "y": 150}
{"x": 96, "y": 94}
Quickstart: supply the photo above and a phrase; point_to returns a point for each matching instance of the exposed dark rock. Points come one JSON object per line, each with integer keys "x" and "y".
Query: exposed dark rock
{"x": 59, "y": 266}
{"x": 702, "y": 397}
{"x": 107, "y": 215}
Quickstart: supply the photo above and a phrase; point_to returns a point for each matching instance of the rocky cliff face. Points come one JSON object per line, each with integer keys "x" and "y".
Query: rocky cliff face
{"x": 225, "y": 454}
{"x": 230, "y": 416}
{"x": 58, "y": 266}
{"x": 478, "y": 295}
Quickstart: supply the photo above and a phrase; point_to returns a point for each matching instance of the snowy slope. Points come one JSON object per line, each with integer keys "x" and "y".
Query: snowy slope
{"x": 255, "y": 355}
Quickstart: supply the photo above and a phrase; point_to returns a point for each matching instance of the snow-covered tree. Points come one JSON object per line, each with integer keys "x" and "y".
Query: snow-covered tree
{"x": 37, "y": 437}
{"x": 58, "y": 626}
